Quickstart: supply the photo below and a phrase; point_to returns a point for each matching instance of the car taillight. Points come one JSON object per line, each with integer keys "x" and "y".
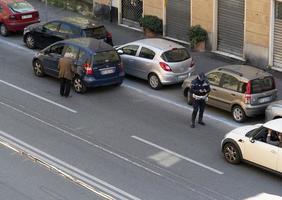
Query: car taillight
{"x": 109, "y": 35}
{"x": 248, "y": 96}
{"x": 36, "y": 15}
{"x": 192, "y": 63}
{"x": 88, "y": 69}
{"x": 165, "y": 67}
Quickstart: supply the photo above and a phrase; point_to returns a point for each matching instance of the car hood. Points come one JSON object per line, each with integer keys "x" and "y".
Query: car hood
{"x": 241, "y": 131}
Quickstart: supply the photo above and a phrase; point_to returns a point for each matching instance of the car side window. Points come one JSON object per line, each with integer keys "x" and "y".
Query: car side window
{"x": 261, "y": 134}
{"x": 130, "y": 50}
{"x": 81, "y": 54}
{"x": 57, "y": 49}
{"x": 65, "y": 28}
{"x": 52, "y": 26}
{"x": 214, "y": 78}
{"x": 147, "y": 53}
{"x": 71, "y": 51}
{"x": 229, "y": 82}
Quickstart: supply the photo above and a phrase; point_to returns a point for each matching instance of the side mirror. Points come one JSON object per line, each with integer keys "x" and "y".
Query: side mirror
{"x": 120, "y": 51}
{"x": 252, "y": 140}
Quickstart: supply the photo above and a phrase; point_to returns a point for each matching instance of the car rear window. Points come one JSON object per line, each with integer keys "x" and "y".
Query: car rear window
{"x": 98, "y": 33}
{"x": 262, "y": 85}
{"x": 20, "y": 6}
{"x": 105, "y": 56}
{"x": 176, "y": 55}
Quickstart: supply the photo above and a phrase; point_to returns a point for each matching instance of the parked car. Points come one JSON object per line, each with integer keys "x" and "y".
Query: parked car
{"x": 157, "y": 60}
{"x": 96, "y": 62}
{"x": 45, "y": 34}
{"x": 274, "y": 110}
{"x": 15, "y": 15}
{"x": 243, "y": 90}
{"x": 248, "y": 143}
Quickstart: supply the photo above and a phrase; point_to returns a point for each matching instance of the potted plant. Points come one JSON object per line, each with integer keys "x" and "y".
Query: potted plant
{"x": 198, "y": 36}
{"x": 152, "y": 25}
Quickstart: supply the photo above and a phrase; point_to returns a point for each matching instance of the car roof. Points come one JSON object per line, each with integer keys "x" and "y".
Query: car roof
{"x": 81, "y": 22}
{"x": 90, "y": 43}
{"x": 246, "y": 72}
{"x": 158, "y": 43}
{"x": 11, "y": 1}
{"x": 275, "y": 125}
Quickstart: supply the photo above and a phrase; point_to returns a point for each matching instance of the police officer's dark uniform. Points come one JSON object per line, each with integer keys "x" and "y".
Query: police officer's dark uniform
{"x": 200, "y": 89}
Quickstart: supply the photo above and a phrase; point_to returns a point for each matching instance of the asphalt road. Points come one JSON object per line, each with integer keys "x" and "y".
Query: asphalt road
{"x": 130, "y": 142}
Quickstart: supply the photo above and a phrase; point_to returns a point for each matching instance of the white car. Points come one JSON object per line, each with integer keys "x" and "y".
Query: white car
{"x": 248, "y": 143}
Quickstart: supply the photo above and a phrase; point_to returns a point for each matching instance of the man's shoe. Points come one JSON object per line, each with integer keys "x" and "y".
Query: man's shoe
{"x": 192, "y": 126}
{"x": 202, "y": 123}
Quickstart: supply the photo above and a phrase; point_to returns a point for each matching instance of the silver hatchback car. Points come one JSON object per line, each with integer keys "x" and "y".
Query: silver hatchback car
{"x": 157, "y": 60}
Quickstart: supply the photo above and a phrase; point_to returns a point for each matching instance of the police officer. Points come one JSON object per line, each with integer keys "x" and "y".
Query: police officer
{"x": 200, "y": 89}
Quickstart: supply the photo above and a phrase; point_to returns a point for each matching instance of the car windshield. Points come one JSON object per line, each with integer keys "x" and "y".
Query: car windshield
{"x": 20, "y": 6}
{"x": 263, "y": 85}
{"x": 175, "y": 55}
{"x": 98, "y": 33}
{"x": 105, "y": 56}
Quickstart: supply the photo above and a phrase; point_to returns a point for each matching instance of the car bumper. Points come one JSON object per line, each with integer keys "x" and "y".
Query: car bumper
{"x": 92, "y": 82}
{"x": 173, "y": 78}
{"x": 19, "y": 26}
{"x": 252, "y": 110}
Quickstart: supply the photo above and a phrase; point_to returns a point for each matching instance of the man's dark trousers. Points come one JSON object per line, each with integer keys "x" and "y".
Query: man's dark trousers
{"x": 198, "y": 105}
{"x": 65, "y": 85}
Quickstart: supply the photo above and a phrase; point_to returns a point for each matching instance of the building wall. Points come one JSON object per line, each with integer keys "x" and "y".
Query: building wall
{"x": 257, "y": 31}
{"x": 154, "y": 7}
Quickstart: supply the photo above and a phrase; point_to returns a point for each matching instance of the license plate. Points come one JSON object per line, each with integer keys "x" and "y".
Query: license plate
{"x": 107, "y": 71}
{"x": 182, "y": 77}
{"x": 26, "y": 16}
{"x": 264, "y": 100}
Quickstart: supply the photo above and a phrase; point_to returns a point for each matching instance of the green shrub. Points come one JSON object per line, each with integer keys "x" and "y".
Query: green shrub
{"x": 153, "y": 23}
{"x": 197, "y": 34}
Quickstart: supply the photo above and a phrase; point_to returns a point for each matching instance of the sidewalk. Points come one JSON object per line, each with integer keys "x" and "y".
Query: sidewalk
{"x": 205, "y": 61}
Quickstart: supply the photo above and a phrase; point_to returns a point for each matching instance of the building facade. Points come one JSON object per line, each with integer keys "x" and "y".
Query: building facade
{"x": 249, "y": 30}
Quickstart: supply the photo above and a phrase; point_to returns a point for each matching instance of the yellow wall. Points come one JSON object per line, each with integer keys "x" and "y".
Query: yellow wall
{"x": 202, "y": 13}
{"x": 153, "y": 7}
{"x": 257, "y": 22}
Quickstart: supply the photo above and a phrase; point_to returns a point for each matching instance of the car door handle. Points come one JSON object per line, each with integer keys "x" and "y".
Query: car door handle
{"x": 242, "y": 141}
{"x": 233, "y": 94}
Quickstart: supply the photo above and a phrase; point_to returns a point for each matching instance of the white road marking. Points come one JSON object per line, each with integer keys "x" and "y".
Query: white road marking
{"x": 17, "y": 46}
{"x": 39, "y": 97}
{"x": 177, "y": 155}
{"x": 220, "y": 119}
{"x": 64, "y": 167}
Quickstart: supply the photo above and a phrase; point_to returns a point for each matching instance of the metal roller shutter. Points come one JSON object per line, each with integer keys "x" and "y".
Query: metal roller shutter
{"x": 231, "y": 26}
{"x": 277, "y": 50}
{"x": 178, "y": 19}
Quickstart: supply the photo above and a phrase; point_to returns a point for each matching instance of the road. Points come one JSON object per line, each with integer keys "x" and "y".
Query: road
{"x": 129, "y": 142}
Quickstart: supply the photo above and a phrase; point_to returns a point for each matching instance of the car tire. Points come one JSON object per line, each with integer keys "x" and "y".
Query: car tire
{"x": 3, "y": 30}
{"x": 30, "y": 41}
{"x": 231, "y": 153}
{"x": 238, "y": 114}
{"x": 154, "y": 81}
{"x": 78, "y": 85}
{"x": 38, "y": 68}
{"x": 189, "y": 97}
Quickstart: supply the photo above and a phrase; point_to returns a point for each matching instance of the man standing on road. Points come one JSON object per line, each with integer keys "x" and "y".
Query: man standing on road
{"x": 200, "y": 89}
{"x": 66, "y": 73}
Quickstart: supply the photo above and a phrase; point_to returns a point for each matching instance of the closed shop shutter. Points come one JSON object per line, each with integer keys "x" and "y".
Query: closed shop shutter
{"x": 277, "y": 51}
{"x": 178, "y": 19}
{"x": 231, "y": 26}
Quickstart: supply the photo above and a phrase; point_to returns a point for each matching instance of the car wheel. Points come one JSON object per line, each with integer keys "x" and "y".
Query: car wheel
{"x": 189, "y": 97}
{"x": 154, "y": 82}
{"x": 238, "y": 114}
{"x": 78, "y": 85}
{"x": 3, "y": 30}
{"x": 231, "y": 153}
{"x": 30, "y": 41}
{"x": 38, "y": 68}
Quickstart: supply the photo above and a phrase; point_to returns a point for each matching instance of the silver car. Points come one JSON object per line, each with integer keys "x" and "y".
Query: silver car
{"x": 157, "y": 60}
{"x": 274, "y": 111}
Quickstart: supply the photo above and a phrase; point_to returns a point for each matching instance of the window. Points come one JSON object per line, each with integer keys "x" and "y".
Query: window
{"x": 278, "y": 10}
{"x": 214, "y": 78}
{"x": 65, "y": 28}
{"x": 98, "y": 33}
{"x": 175, "y": 55}
{"x": 262, "y": 85}
{"x": 105, "y": 56}
{"x": 71, "y": 52}
{"x": 52, "y": 26}
{"x": 57, "y": 49}
{"x": 229, "y": 82}
{"x": 19, "y": 7}
{"x": 81, "y": 54}
{"x": 146, "y": 53}
{"x": 130, "y": 50}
